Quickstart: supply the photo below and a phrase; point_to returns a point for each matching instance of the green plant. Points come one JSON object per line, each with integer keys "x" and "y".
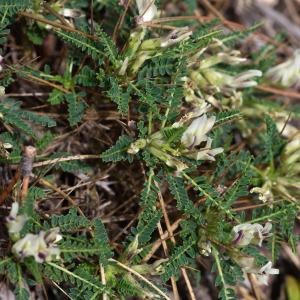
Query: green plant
{"x": 205, "y": 150}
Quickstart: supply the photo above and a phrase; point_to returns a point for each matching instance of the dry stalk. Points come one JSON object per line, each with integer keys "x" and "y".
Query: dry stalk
{"x": 26, "y": 169}
{"x": 170, "y": 231}
{"x": 166, "y": 251}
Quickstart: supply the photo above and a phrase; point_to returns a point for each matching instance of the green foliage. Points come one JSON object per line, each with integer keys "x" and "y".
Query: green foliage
{"x": 15, "y": 116}
{"x": 119, "y": 96}
{"x": 110, "y": 49}
{"x": 86, "y": 77}
{"x": 183, "y": 202}
{"x": 145, "y": 97}
{"x": 80, "y": 278}
{"x": 118, "y": 151}
{"x": 76, "y": 108}
{"x": 33, "y": 194}
{"x": 101, "y": 240}
{"x": 83, "y": 43}
{"x": 11, "y": 7}
{"x": 147, "y": 224}
{"x": 181, "y": 256}
{"x": 69, "y": 222}
{"x": 272, "y": 141}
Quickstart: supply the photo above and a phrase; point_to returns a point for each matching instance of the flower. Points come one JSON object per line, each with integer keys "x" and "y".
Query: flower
{"x": 196, "y": 132}
{"x": 265, "y": 192}
{"x": 264, "y": 272}
{"x": 176, "y": 36}
{"x": 245, "y": 234}
{"x": 206, "y": 153}
{"x": 243, "y": 80}
{"x": 287, "y": 73}
{"x": 41, "y": 246}
{"x": 14, "y": 222}
{"x": 147, "y": 10}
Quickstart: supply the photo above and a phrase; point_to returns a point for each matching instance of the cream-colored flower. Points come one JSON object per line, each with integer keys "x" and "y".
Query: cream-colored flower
{"x": 176, "y": 36}
{"x": 287, "y": 73}
{"x": 263, "y": 273}
{"x": 245, "y": 234}
{"x": 147, "y": 10}
{"x": 15, "y": 222}
{"x": 244, "y": 79}
{"x": 196, "y": 132}
{"x": 206, "y": 153}
{"x": 41, "y": 246}
{"x": 264, "y": 193}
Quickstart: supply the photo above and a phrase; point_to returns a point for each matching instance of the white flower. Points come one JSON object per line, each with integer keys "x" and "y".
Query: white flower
{"x": 147, "y": 10}
{"x": 176, "y": 36}
{"x": 264, "y": 272}
{"x": 41, "y": 246}
{"x": 207, "y": 153}
{"x": 71, "y": 13}
{"x": 245, "y": 234}
{"x": 265, "y": 192}
{"x": 244, "y": 79}
{"x": 196, "y": 132}
{"x": 287, "y": 73}
{"x": 14, "y": 222}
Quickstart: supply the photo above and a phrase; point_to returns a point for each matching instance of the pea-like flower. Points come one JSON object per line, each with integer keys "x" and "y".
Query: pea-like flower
{"x": 147, "y": 10}
{"x": 286, "y": 74}
{"x": 41, "y": 246}
{"x": 176, "y": 36}
{"x": 196, "y": 132}
{"x": 248, "y": 265}
{"x": 264, "y": 192}
{"x": 196, "y": 135}
{"x": 245, "y": 234}
{"x": 15, "y": 222}
{"x": 263, "y": 273}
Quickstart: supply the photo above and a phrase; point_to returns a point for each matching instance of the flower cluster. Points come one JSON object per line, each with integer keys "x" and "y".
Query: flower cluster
{"x": 41, "y": 246}
{"x": 285, "y": 178}
{"x": 244, "y": 235}
{"x": 140, "y": 50}
{"x": 194, "y": 141}
{"x": 15, "y": 222}
{"x": 286, "y": 74}
{"x": 204, "y": 79}
{"x": 247, "y": 263}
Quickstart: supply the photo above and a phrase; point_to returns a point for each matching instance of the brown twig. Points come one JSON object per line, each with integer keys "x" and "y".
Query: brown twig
{"x": 166, "y": 251}
{"x": 4, "y": 195}
{"x": 26, "y": 169}
{"x": 120, "y": 21}
{"x": 60, "y": 192}
{"x": 57, "y": 15}
{"x": 165, "y": 235}
{"x": 55, "y": 24}
{"x": 170, "y": 231}
{"x": 62, "y": 159}
{"x": 277, "y": 91}
{"x": 255, "y": 288}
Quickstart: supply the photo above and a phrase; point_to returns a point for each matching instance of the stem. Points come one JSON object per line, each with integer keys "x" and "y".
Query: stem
{"x": 140, "y": 277}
